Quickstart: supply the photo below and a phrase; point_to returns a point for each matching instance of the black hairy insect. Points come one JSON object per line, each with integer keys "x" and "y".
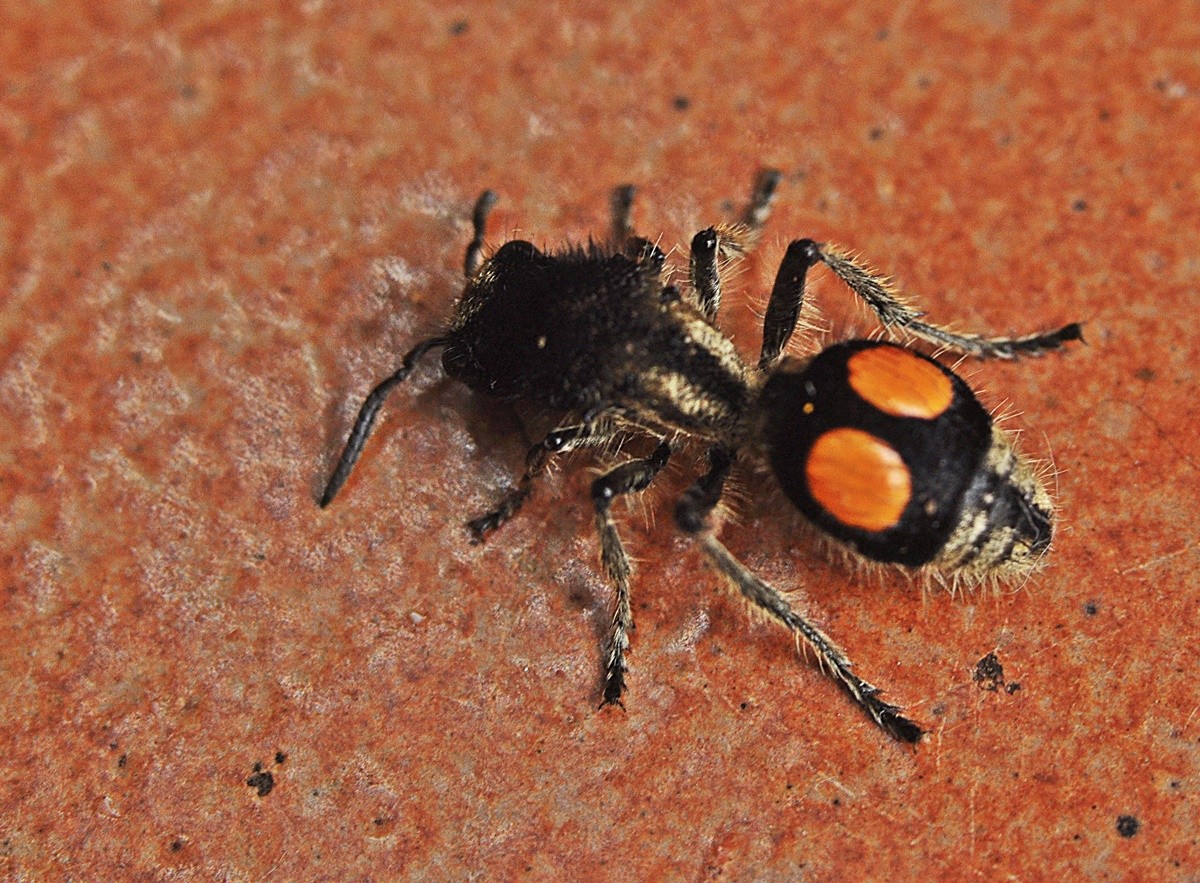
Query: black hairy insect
{"x": 881, "y": 447}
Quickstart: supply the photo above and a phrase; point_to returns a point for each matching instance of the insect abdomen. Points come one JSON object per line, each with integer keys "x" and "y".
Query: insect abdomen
{"x": 877, "y": 445}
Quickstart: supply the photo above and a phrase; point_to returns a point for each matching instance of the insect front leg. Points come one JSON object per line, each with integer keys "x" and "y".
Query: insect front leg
{"x": 632, "y": 477}
{"x": 558, "y": 441}
{"x": 621, "y": 204}
{"x": 474, "y": 256}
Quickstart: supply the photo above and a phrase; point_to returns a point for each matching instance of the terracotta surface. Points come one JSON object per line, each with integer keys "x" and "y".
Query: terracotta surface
{"x": 222, "y": 227}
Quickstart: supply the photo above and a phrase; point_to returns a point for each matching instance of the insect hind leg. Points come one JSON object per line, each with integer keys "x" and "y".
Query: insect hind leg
{"x": 893, "y": 312}
{"x": 692, "y": 514}
{"x": 831, "y": 657}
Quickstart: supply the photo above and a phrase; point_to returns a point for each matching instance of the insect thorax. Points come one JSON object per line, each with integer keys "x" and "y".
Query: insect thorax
{"x": 585, "y": 329}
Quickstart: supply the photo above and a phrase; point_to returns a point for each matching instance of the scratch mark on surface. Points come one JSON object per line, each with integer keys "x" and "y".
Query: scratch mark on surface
{"x": 1156, "y": 560}
{"x": 1190, "y": 717}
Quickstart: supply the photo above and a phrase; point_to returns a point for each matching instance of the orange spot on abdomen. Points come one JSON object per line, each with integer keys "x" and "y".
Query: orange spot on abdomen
{"x": 900, "y": 383}
{"x": 858, "y": 479}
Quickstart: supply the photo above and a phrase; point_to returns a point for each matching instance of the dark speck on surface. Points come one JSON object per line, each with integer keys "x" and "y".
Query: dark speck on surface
{"x": 263, "y": 782}
{"x": 1127, "y": 826}
{"x": 989, "y": 673}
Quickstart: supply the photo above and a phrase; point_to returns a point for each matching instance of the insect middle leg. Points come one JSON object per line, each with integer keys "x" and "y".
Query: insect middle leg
{"x": 642, "y": 250}
{"x": 692, "y": 515}
{"x": 631, "y": 477}
{"x": 727, "y": 240}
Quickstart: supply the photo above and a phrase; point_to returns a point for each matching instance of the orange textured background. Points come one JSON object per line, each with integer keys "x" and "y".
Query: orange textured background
{"x": 223, "y": 223}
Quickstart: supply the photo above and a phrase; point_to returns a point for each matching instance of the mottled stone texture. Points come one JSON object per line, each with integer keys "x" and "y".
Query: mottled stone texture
{"x": 222, "y": 224}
